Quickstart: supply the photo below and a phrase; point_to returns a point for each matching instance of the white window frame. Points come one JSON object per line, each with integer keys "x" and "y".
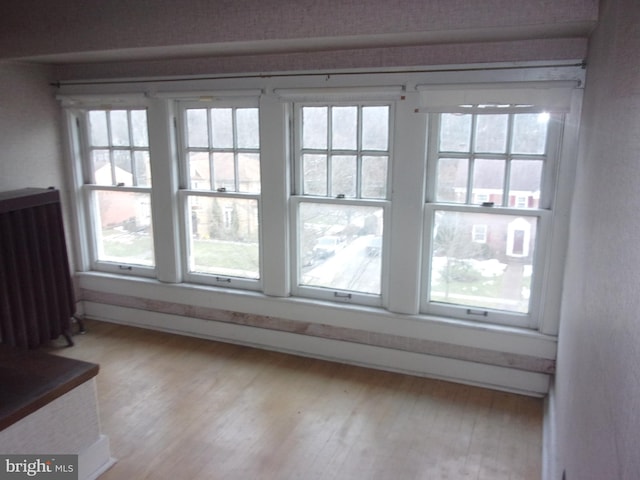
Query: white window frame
{"x": 78, "y": 118}
{"x": 184, "y": 192}
{"x": 479, "y": 233}
{"x": 521, "y": 201}
{"x": 298, "y": 197}
{"x": 480, "y": 198}
{"x": 544, "y": 213}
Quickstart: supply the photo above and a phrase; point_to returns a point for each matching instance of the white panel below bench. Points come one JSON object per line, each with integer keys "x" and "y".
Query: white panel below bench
{"x": 67, "y": 425}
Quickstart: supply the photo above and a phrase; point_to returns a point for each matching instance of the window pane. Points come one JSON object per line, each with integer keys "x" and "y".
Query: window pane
{"x": 452, "y": 180}
{"x": 524, "y": 183}
{"x": 222, "y": 128}
{"x": 455, "y": 132}
{"x": 491, "y": 133}
{"x": 197, "y": 128}
{"x": 314, "y": 127}
{"x": 98, "y": 133}
{"x": 124, "y": 228}
{"x": 248, "y": 129}
{"x": 375, "y": 128}
{"x": 339, "y": 247}
{"x": 123, "y": 168}
{"x": 101, "y": 166}
{"x": 249, "y": 172}
{"x": 529, "y": 133}
{"x": 139, "y": 128}
{"x": 489, "y": 266}
{"x": 488, "y": 181}
{"x": 374, "y": 177}
{"x": 223, "y": 235}
{"x": 143, "y": 169}
{"x": 224, "y": 174}
{"x": 344, "y": 131}
{"x": 343, "y": 175}
{"x": 199, "y": 175}
{"x": 119, "y": 128}
{"x": 315, "y": 174}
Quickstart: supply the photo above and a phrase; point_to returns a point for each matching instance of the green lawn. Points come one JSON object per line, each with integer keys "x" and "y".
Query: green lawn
{"x": 126, "y": 246}
{"x": 210, "y": 256}
{"x": 225, "y": 255}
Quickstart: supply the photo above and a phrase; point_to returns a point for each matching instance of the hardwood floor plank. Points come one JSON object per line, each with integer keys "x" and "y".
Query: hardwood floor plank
{"x": 181, "y": 407}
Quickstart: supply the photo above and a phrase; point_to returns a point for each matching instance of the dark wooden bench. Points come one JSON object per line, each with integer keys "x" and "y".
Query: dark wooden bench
{"x": 31, "y": 379}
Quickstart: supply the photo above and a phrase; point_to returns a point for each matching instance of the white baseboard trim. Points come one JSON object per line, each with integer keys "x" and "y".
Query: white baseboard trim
{"x": 95, "y": 459}
{"x": 455, "y": 370}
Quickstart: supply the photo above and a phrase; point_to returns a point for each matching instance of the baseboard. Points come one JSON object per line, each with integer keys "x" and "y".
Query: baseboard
{"x": 95, "y": 459}
{"x": 455, "y": 370}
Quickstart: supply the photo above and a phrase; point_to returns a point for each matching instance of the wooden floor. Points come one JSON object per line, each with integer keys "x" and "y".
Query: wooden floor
{"x": 184, "y": 408}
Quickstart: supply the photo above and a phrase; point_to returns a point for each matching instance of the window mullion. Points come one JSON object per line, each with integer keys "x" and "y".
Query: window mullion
{"x": 507, "y": 175}
{"x": 330, "y": 152}
{"x": 405, "y": 227}
{"x": 472, "y": 160}
{"x": 131, "y": 150}
{"x": 275, "y": 172}
{"x": 112, "y": 163}
{"x": 234, "y": 122}
{"x": 359, "y": 153}
{"x": 165, "y": 182}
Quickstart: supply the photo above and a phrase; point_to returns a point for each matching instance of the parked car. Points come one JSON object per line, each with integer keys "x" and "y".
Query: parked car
{"x": 327, "y": 246}
{"x": 374, "y": 247}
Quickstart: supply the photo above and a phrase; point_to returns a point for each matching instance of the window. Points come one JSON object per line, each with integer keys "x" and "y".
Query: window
{"x": 479, "y": 233}
{"x": 483, "y": 251}
{"x": 342, "y": 163}
{"x": 438, "y": 201}
{"x": 117, "y": 184}
{"x": 221, "y": 170}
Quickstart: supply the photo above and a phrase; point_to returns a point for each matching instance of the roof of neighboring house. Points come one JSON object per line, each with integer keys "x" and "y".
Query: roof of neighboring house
{"x": 103, "y": 175}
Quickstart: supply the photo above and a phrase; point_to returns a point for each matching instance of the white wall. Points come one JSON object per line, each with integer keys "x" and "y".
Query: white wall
{"x": 29, "y": 128}
{"x": 77, "y": 25}
{"x": 598, "y": 376}
{"x": 30, "y": 136}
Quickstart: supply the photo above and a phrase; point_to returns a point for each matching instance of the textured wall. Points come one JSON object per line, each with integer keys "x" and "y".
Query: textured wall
{"x": 30, "y": 139}
{"x": 407, "y": 56}
{"x": 598, "y": 376}
{"x": 30, "y": 27}
{"x": 186, "y": 37}
{"x": 30, "y": 134}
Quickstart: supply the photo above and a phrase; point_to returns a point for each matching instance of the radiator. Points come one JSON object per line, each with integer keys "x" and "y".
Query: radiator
{"x": 36, "y": 292}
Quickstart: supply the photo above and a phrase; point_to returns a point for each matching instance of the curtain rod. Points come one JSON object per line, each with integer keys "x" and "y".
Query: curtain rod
{"x": 61, "y": 83}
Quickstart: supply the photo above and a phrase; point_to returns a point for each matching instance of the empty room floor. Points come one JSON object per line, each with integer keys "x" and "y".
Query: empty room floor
{"x": 177, "y": 407}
